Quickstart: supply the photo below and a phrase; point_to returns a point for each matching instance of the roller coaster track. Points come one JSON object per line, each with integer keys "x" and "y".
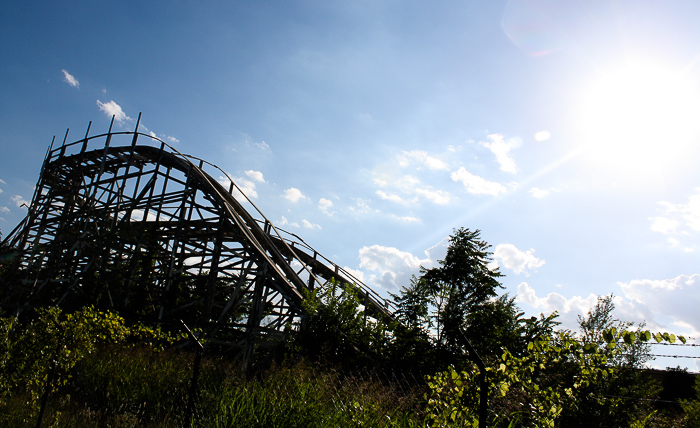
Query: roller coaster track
{"x": 122, "y": 220}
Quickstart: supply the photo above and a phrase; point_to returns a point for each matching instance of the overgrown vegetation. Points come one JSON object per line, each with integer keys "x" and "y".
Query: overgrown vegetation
{"x": 346, "y": 367}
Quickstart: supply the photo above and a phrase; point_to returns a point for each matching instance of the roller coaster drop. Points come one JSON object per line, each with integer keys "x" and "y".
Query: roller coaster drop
{"x": 148, "y": 231}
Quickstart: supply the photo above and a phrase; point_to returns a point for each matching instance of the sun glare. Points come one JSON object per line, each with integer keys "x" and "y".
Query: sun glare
{"x": 639, "y": 118}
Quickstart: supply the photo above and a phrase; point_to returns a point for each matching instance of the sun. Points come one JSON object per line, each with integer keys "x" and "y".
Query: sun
{"x": 638, "y": 118}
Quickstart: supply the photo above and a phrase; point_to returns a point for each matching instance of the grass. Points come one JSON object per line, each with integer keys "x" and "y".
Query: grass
{"x": 122, "y": 386}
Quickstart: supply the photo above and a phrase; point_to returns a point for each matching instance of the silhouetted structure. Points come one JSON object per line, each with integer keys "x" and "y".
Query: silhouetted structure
{"x": 148, "y": 231}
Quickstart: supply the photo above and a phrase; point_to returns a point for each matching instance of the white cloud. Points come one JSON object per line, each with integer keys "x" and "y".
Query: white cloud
{"x": 568, "y": 309}
{"x": 308, "y": 225}
{"x": 1, "y": 191}
{"x": 285, "y": 222}
{"x": 433, "y": 163}
{"x": 665, "y": 305}
{"x": 357, "y": 274}
{"x": 263, "y": 145}
{"x": 501, "y": 149}
{"x": 406, "y": 219}
{"x": 111, "y": 108}
{"x": 2, "y": 181}
{"x": 542, "y": 136}
{"x": 539, "y": 193}
{"x": 477, "y": 185}
{"x": 4, "y": 209}
{"x": 517, "y": 260}
{"x": 293, "y": 194}
{"x": 20, "y": 201}
{"x": 438, "y": 197}
{"x": 137, "y": 215}
{"x": 255, "y": 175}
{"x": 70, "y": 79}
{"x": 679, "y": 220}
{"x": 361, "y": 207}
{"x": 169, "y": 139}
{"x": 410, "y": 191}
{"x": 325, "y": 205}
{"x": 664, "y": 225}
{"x": 390, "y": 197}
{"x": 247, "y": 188}
{"x": 393, "y": 268}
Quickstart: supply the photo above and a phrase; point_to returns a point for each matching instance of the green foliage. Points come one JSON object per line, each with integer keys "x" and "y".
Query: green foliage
{"x": 41, "y": 351}
{"x": 460, "y": 295}
{"x": 691, "y": 408}
{"x": 459, "y": 286}
{"x": 599, "y": 325}
{"x": 125, "y": 386}
{"x": 561, "y": 381}
{"x": 337, "y": 330}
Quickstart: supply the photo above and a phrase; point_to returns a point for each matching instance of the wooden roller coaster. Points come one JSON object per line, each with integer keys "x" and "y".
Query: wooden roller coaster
{"x": 124, "y": 221}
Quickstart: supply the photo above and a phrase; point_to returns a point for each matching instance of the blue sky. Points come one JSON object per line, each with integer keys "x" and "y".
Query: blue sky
{"x": 567, "y": 132}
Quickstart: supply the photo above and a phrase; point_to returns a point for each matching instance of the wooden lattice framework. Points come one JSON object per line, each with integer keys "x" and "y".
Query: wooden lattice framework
{"x": 122, "y": 220}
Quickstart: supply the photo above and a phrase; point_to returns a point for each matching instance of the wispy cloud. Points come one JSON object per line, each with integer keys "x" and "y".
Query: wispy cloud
{"x": 541, "y": 193}
{"x": 111, "y": 108}
{"x": 390, "y": 197}
{"x": 477, "y": 185}
{"x": 361, "y": 207}
{"x": 438, "y": 197}
{"x": 70, "y": 79}
{"x": 679, "y": 221}
{"x": 4, "y": 209}
{"x": 20, "y": 201}
{"x": 409, "y": 190}
{"x": 169, "y": 139}
{"x": 325, "y": 205}
{"x": 423, "y": 158}
{"x": 308, "y": 225}
{"x": 501, "y": 149}
{"x": 284, "y": 222}
{"x": 406, "y": 219}
{"x": 293, "y": 195}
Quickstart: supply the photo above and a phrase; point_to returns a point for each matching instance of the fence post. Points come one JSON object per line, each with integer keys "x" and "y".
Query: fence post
{"x": 483, "y": 388}
{"x": 195, "y": 375}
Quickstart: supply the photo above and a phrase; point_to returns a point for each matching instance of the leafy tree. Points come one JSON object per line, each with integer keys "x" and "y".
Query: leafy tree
{"x": 337, "y": 330}
{"x": 460, "y": 295}
{"x": 600, "y": 319}
{"x": 621, "y": 396}
{"x": 460, "y": 284}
